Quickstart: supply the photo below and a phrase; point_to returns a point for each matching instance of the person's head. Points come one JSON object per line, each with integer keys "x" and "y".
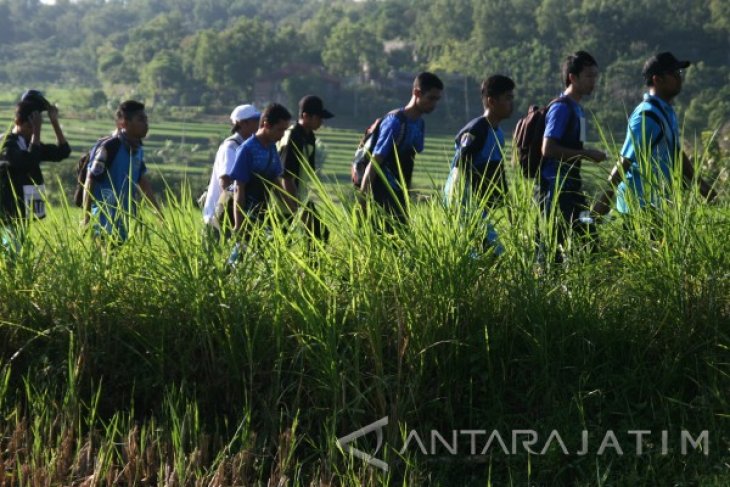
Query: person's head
{"x": 663, "y": 73}
{"x": 245, "y": 120}
{"x": 427, "y": 88}
{"x": 580, "y": 70}
{"x": 132, "y": 119}
{"x": 23, "y": 112}
{"x": 36, "y": 99}
{"x": 312, "y": 112}
{"x": 498, "y": 96}
{"x": 274, "y": 122}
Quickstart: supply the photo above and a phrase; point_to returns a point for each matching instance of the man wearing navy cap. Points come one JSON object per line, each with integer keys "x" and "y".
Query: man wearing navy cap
{"x": 653, "y": 143}
{"x": 297, "y": 147}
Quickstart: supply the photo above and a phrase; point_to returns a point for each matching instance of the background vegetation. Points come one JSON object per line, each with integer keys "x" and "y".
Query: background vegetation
{"x": 361, "y": 56}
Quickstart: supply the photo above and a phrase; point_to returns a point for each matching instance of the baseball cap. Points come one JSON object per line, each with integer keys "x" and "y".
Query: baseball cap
{"x": 662, "y": 63}
{"x": 36, "y": 98}
{"x": 313, "y": 105}
{"x": 244, "y": 112}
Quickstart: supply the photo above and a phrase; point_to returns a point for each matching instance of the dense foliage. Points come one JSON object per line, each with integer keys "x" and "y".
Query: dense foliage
{"x": 193, "y": 52}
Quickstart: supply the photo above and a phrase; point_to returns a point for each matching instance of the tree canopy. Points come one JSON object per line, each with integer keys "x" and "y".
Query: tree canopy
{"x": 208, "y": 51}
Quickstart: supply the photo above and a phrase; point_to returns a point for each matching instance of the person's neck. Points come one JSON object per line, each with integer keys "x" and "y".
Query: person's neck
{"x": 244, "y": 134}
{"x": 492, "y": 118}
{"x": 655, "y": 93}
{"x": 307, "y": 129}
{"x": 411, "y": 110}
{"x": 132, "y": 142}
{"x": 263, "y": 137}
{"x": 25, "y": 134}
{"x": 573, "y": 94}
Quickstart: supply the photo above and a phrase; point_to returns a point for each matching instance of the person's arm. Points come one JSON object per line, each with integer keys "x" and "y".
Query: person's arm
{"x": 146, "y": 187}
{"x": 60, "y": 150}
{"x": 556, "y": 123}
{"x": 20, "y": 159}
{"x": 688, "y": 172}
{"x": 86, "y": 205}
{"x": 552, "y": 149}
{"x": 603, "y": 204}
{"x": 225, "y": 182}
{"x": 367, "y": 177}
{"x": 239, "y": 198}
{"x": 289, "y": 192}
{"x": 389, "y": 127}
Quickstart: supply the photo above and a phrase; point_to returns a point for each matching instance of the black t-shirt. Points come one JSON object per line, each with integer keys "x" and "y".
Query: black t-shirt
{"x": 21, "y": 167}
{"x": 296, "y": 146}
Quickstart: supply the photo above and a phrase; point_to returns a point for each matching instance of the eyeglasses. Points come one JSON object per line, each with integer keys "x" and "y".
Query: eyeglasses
{"x": 679, "y": 74}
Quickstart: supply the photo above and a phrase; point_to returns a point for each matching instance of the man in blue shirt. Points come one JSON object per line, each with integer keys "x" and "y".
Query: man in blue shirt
{"x": 477, "y": 168}
{"x": 401, "y": 136}
{"x": 653, "y": 144}
{"x": 563, "y": 150}
{"x": 115, "y": 171}
{"x": 258, "y": 166}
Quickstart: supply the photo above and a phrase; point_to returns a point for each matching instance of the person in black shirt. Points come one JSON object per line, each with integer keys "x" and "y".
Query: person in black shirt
{"x": 21, "y": 154}
{"x": 297, "y": 147}
{"x": 21, "y": 180}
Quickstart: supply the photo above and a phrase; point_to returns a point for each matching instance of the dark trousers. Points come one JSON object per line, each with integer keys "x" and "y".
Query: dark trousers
{"x": 569, "y": 202}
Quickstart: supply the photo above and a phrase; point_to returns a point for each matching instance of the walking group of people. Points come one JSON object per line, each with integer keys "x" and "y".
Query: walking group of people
{"x": 268, "y": 155}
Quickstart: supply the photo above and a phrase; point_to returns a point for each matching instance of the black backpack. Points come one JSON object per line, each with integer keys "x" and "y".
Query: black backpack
{"x": 367, "y": 145}
{"x": 112, "y": 143}
{"x": 528, "y": 136}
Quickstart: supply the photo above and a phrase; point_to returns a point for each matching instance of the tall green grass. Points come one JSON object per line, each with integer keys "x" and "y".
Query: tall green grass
{"x": 152, "y": 363}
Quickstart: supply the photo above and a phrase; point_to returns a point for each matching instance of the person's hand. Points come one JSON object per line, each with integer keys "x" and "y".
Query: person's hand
{"x": 595, "y": 155}
{"x": 36, "y": 120}
{"x": 601, "y": 208}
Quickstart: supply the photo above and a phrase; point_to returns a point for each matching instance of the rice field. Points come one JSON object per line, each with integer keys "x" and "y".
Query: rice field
{"x": 155, "y": 363}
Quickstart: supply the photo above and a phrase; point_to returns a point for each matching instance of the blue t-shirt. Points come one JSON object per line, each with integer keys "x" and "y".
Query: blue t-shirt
{"x": 652, "y": 144}
{"x": 411, "y": 142}
{"x": 565, "y": 123}
{"x": 112, "y": 194}
{"x": 257, "y": 167}
{"x": 475, "y": 133}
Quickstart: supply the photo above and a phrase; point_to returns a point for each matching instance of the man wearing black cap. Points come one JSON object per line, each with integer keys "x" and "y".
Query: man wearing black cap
{"x": 653, "y": 142}
{"x": 299, "y": 146}
{"x": 21, "y": 154}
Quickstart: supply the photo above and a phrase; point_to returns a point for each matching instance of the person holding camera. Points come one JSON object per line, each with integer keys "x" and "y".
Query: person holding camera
{"x": 21, "y": 179}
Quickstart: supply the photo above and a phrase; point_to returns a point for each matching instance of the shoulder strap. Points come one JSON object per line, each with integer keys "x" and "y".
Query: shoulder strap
{"x": 112, "y": 145}
{"x": 663, "y": 126}
{"x": 484, "y": 129}
{"x": 235, "y": 139}
{"x": 401, "y": 116}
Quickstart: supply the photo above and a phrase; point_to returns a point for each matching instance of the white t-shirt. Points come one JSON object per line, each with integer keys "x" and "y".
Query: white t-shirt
{"x": 223, "y": 165}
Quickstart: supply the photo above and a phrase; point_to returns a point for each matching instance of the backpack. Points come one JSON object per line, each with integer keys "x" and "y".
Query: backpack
{"x": 367, "y": 145}
{"x": 657, "y": 119}
{"x": 528, "y": 136}
{"x": 481, "y": 129}
{"x": 82, "y": 165}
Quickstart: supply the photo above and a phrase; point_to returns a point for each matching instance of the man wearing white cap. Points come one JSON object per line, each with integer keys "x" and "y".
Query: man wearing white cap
{"x": 245, "y": 120}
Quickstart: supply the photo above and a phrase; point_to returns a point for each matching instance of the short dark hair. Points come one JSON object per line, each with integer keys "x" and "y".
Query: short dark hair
{"x": 427, "y": 81}
{"x": 23, "y": 110}
{"x": 497, "y": 85}
{"x": 575, "y": 64}
{"x": 275, "y": 113}
{"x": 127, "y": 109}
